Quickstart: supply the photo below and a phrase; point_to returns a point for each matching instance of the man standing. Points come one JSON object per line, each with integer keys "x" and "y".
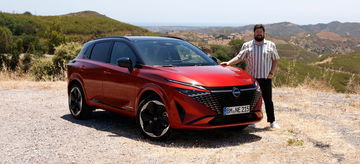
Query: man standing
{"x": 261, "y": 58}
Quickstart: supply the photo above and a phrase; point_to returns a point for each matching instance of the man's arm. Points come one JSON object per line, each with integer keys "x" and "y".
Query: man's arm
{"x": 239, "y": 57}
{"x": 273, "y": 69}
{"x": 233, "y": 61}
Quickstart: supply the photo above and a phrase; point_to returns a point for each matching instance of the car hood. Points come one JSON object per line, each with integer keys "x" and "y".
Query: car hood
{"x": 208, "y": 76}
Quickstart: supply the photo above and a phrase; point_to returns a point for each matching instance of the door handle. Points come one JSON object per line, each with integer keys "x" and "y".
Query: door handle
{"x": 107, "y": 73}
{"x": 82, "y": 68}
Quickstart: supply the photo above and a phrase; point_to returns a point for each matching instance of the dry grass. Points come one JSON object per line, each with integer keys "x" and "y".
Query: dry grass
{"x": 19, "y": 80}
{"x": 18, "y": 75}
{"x": 357, "y": 88}
{"x": 317, "y": 85}
{"x": 323, "y": 123}
{"x": 44, "y": 85}
{"x": 295, "y": 142}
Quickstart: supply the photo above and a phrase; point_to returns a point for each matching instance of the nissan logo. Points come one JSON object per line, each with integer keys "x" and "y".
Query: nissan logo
{"x": 236, "y": 92}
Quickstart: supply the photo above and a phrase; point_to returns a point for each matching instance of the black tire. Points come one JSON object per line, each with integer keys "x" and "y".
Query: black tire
{"x": 77, "y": 103}
{"x": 152, "y": 119}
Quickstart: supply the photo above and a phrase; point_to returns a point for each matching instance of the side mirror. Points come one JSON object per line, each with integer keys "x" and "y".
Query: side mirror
{"x": 126, "y": 63}
{"x": 214, "y": 58}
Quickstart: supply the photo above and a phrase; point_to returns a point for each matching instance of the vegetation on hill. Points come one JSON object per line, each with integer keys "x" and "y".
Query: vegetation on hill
{"x": 60, "y": 35}
{"x": 293, "y": 52}
{"x": 334, "y": 37}
{"x": 33, "y": 36}
{"x": 294, "y": 73}
{"x": 296, "y": 67}
{"x": 41, "y": 34}
{"x": 343, "y": 63}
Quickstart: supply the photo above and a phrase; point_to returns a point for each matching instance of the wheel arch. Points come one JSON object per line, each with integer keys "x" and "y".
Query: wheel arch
{"x": 151, "y": 89}
{"x": 72, "y": 82}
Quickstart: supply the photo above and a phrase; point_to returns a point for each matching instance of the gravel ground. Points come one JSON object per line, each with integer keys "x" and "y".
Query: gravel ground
{"x": 36, "y": 127}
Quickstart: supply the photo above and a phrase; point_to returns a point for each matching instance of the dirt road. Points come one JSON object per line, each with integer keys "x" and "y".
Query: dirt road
{"x": 36, "y": 127}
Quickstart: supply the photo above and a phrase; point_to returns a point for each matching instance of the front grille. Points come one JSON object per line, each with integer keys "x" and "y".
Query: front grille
{"x": 218, "y": 99}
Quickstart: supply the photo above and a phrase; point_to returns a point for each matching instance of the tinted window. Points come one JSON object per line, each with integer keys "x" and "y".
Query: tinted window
{"x": 121, "y": 50}
{"x": 172, "y": 53}
{"x": 88, "y": 51}
{"x": 100, "y": 52}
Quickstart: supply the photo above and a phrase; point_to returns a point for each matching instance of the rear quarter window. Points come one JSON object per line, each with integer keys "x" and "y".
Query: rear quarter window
{"x": 87, "y": 51}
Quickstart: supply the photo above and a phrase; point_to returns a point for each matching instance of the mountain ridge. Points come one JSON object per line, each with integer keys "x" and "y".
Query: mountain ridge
{"x": 350, "y": 29}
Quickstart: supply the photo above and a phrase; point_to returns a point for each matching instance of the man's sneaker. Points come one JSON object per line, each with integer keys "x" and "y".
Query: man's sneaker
{"x": 252, "y": 126}
{"x": 274, "y": 125}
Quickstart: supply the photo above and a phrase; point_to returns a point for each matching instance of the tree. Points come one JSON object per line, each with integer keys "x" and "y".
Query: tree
{"x": 64, "y": 53}
{"x": 5, "y": 40}
{"x": 54, "y": 39}
{"x": 29, "y": 43}
{"x": 235, "y": 46}
{"x": 27, "y": 13}
{"x": 221, "y": 52}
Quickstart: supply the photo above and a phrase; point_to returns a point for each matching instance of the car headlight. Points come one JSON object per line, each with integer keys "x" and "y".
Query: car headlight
{"x": 186, "y": 84}
{"x": 191, "y": 93}
{"x": 257, "y": 86}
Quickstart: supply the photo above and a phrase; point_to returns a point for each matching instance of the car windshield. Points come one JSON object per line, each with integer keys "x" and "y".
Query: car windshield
{"x": 171, "y": 53}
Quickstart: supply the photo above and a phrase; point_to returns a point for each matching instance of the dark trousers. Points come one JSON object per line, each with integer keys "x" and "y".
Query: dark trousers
{"x": 266, "y": 89}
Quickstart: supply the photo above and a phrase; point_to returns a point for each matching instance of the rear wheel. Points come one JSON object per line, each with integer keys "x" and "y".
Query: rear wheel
{"x": 77, "y": 104}
{"x": 152, "y": 119}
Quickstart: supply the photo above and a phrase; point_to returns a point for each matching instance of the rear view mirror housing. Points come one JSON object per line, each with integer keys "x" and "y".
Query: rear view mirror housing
{"x": 126, "y": 63}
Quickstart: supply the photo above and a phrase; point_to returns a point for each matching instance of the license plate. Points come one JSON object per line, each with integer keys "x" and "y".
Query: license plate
{"x": 236, "y": 110}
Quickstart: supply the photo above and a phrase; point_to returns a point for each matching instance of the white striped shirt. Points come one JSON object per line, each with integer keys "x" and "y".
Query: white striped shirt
{"x": 258, "y": 57}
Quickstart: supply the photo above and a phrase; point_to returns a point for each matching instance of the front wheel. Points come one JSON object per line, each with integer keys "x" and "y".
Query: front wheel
{"x": 152, "y": 119}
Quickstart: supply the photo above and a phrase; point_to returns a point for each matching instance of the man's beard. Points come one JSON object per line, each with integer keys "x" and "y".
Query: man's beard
{"x": 259, "y": 38}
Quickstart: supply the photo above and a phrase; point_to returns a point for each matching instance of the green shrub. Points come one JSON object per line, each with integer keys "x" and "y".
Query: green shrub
{"x": 221, "y": 52}
{"x": 236, "y": 46}
{"x": 64, "y": 53}
{"x": 54, "y": 39}
{"x": 2, "y": 61}
{"x": 43, "y": 69}
{"x": 5, "y": 40}
{"x": 12, "y": 62}
{"x": 26, "y": 63}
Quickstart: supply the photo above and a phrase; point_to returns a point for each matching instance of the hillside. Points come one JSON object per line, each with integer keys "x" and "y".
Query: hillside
{"x": 334, "y": 37}
{"x": 276, "y": 29}
{"x": 41, "y": 31}
{"x": 325, "y": 43}
{"x": 342, "y": 63}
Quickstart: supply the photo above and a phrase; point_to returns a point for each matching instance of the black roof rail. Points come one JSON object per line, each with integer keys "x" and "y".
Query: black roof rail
{"x": 122, "y": 37}
{"x": 175, "y": 37}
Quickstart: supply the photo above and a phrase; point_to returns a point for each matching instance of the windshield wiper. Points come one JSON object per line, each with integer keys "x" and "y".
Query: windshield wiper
{"x": 166, "y": 65}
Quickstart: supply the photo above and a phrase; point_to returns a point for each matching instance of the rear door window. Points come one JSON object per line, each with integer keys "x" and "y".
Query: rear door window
{"x": 101, "y": 51}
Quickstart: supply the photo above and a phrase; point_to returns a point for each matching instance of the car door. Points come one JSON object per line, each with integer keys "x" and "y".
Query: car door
{"x": 120, "y": 85}
{"x": 92, "y": 71}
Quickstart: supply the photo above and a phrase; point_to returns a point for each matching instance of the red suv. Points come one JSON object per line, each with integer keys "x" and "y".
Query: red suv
{"x": 165, "y": 83}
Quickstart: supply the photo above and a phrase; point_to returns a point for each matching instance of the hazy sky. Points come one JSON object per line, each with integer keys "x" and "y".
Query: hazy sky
{"x": 198, "y": 12}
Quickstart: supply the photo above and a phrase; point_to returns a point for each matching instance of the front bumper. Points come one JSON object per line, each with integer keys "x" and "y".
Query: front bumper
{"x": 195, "y": 113}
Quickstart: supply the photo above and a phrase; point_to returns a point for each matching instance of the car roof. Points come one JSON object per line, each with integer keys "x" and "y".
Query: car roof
{"x": 139, "y": 38}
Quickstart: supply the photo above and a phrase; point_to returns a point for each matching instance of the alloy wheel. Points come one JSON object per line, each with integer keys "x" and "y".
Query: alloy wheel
{"x": 75, "y": 101}
{"x": 154, "y": 119}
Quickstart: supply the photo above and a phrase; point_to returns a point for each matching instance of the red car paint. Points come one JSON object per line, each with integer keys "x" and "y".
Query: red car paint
{"x": 119, "y": 90}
